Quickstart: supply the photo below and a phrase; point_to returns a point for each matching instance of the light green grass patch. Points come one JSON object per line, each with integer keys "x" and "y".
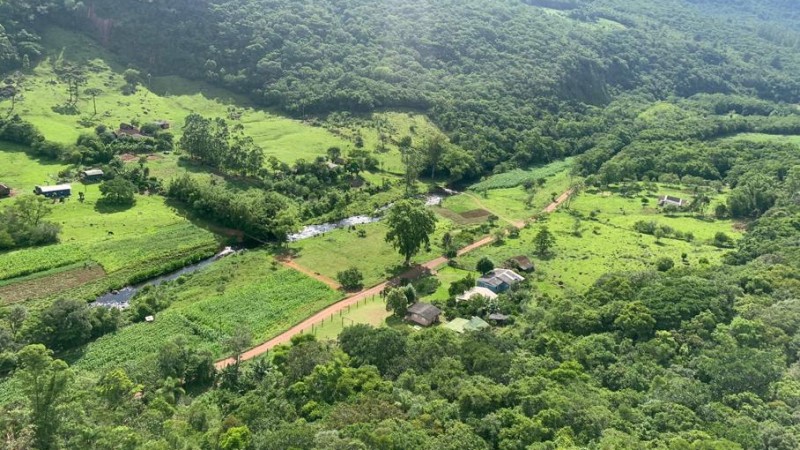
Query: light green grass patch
{"x": 284, "y": 138}
{"x": 618, "y": 211}
{"x": 447, "y": 276}
{"x": 371, "y": 311}
{"x": 146, "y": 236}
{"x": 603, "y": 248}
{"x": 518, "y": 177}
{"x": 761, "y": 137}
{"x": 22, "y": 173}
{"x": 372, "y": 255}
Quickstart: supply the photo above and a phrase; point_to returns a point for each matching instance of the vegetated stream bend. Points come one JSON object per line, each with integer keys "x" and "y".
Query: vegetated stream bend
{"x": 121, "y": 298}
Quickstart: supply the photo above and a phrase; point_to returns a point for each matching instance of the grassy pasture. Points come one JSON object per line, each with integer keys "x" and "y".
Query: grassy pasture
{"x": 167, "y": 98}
{"x": 509, "y": 203}
{"x": 372, "y": 255}
{"x": 132, "y": 242}
{"x": 518, "y": 177}
{"x": 371, "y": 311}
{"x": 607, "y": 244}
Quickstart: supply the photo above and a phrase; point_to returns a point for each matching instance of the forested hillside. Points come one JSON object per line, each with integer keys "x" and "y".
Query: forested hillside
{"x": 504, "y": 78}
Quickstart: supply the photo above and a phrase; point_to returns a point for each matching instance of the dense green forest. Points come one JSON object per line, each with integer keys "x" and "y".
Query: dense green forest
{"x": 697, "y": 96}
{"x": 511, "y": 81}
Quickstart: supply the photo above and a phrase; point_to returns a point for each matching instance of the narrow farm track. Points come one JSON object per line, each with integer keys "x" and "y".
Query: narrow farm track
{"x": 292, "y": 264}
{"x": 306, "y": 324}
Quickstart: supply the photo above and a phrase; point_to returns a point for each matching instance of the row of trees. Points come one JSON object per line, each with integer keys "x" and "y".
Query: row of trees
{"x": 262, "y": 216}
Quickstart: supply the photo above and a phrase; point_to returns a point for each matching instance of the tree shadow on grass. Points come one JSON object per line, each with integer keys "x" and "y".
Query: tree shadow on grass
{"x": 105, "y": 207}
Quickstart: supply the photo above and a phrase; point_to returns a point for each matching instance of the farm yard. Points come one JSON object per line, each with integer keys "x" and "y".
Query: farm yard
{"x": 596, "y": 234}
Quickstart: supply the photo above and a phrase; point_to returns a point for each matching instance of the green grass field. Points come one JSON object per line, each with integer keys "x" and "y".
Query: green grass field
{"x": 371, "y": 311}
{"x": 236, "y": 292}
{"x": 509, "y": 203}
{"x": 168, "y": 98}
{"x": 607, "y": 244}
{"x": 135, "y": 241}
{"x": 372, "y": 255}
{"x": 518, "y": 177}
{"x": 761, "y": 137}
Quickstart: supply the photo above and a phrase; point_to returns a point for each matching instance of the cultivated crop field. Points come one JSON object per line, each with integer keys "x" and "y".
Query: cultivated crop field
{"x": 237, "y": 292}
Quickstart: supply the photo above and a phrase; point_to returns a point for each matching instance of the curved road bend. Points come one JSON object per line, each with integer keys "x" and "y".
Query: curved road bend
{"x": 287, "y": 335}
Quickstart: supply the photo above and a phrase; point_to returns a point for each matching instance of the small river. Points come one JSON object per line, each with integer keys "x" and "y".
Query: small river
{"x": 121, "y": 298}
{"x": 318, "y": 230}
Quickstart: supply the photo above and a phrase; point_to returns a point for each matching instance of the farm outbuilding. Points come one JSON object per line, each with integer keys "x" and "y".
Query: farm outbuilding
{"x": 411, "y": 275}
{"x": 423, "y": 314}
{"x": 460, "y": 325}
{"x": 521, "y": 263}
{"x": 92, "y": 175}
{"x": 57, "y": 191}
{"x": 668, "y": 200}
{"x": 5, "y": 191}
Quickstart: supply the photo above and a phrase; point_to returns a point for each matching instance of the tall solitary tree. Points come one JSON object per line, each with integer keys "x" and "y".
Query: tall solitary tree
{"x": 544, "y": 242}
{"x": 93, "y": 92}
{"x": 410, "y": 227}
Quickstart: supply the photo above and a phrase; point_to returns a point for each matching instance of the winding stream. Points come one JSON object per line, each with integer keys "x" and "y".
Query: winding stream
{"x": 121, "y": 298}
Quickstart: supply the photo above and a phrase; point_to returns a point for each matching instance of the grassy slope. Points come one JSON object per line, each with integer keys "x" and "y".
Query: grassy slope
{"x": 149, "y": 232}
{"x": 170, "y": 98}
{"x": 608, "y": 244}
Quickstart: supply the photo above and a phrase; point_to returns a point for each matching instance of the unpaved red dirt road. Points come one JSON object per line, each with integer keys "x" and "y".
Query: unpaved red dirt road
{"x": 306, "y": 324}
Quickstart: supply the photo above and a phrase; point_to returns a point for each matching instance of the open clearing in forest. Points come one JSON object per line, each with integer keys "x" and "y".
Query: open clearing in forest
{"x": 168, "y": 98}
{"x": 762, "y": 137}
{"x": 607, "y": 242}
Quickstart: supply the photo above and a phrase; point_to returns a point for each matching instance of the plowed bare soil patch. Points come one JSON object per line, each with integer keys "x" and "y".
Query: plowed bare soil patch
{"x": 49, "y": 285}
{"x": 476, "y": 213}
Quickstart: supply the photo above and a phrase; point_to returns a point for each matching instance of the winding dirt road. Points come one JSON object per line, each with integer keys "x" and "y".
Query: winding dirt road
{"x": 306, "y": 324}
